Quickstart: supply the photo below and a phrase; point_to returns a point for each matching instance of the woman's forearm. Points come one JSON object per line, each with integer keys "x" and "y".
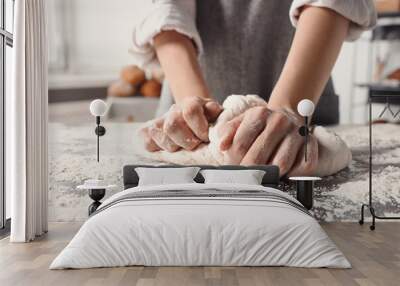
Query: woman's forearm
{"x": 178, "y": 58}
{"x": 316, "y": 45}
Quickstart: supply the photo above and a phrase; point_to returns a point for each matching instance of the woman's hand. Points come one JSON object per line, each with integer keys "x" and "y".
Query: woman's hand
{"x": 250, "y": 140}
{"x": 185, "y": 125}
{"x": 263, "y": 136}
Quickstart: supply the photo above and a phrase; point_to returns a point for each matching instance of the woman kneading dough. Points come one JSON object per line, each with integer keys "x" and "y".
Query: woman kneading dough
{"x": 281, "y": 50}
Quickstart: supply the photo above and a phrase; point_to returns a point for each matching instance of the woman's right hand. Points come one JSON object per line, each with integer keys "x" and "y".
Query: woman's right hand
{"x": 185, "y": 125}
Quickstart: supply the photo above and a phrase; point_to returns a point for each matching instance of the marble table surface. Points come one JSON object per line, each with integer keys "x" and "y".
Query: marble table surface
{"x": 72, "y": 159}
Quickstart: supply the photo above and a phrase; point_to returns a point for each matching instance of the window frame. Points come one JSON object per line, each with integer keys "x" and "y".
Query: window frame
{"x": 6, "y": 39}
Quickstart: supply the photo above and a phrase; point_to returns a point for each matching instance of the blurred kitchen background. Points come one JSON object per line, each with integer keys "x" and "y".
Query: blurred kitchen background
{"x": 89, "y": 58}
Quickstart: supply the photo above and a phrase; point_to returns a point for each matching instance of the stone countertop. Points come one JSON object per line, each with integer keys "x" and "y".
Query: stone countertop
{"x": 72, "y": 159}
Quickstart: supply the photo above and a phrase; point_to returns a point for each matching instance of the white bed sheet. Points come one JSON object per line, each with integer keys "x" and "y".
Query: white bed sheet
{"x": 200, "y": 231}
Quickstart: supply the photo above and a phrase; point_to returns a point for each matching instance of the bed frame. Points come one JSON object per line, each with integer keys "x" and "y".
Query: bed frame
{"x": 271, "y": 177}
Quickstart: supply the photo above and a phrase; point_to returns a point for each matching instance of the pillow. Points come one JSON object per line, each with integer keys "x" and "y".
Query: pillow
{"x": 246, "y": 177}
{"x": 163, "y": 176}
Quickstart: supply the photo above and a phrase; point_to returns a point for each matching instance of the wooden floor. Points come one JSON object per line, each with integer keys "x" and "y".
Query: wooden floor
{"x": 375, "y": 257}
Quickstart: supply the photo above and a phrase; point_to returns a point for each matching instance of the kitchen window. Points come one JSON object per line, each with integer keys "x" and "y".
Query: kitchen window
{"x": 6, "y": 60}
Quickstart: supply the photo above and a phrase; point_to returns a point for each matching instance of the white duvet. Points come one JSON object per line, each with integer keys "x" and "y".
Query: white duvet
{"x": 188, "y": 231}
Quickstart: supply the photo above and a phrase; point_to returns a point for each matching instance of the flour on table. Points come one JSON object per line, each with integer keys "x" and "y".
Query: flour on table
{"x": 334, "y": 155}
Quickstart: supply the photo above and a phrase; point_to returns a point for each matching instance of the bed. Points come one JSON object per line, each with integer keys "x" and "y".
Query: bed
{"x": 198, "y": 224}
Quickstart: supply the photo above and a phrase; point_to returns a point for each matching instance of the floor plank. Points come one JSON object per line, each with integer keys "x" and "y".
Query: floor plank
{"x": 375, "y": 257}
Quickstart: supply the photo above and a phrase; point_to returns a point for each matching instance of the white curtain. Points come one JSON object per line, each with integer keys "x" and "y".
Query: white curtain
{"x": 26, "y": 127}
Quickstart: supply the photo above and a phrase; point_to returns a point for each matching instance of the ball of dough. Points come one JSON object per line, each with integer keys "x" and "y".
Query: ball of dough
{"x": 334, "y": 155}
{"x": 151, "y": 88}
{"x": 121, "y": 88}
{"x": 133, "y": 75}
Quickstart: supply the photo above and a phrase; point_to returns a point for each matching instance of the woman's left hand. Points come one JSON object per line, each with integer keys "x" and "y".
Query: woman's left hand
{"x": 263, "y": 136}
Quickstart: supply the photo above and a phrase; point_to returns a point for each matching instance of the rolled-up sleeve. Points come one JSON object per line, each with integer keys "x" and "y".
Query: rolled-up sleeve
{"x": 163, "y": 15}
{"x": 361, "y": 13}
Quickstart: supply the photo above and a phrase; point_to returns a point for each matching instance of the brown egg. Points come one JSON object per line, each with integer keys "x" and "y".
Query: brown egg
{"x": 121, "y": 88}
{"x": 133, "y": 75}
{"x": 395, "y": 75}
{"x": 151, "y": 88}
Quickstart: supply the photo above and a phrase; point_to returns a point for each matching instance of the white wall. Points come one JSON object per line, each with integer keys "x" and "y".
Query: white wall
{"x": 90, "y": 38}
{"x": 352, "y": 67}
{"x": 102, "y": 33}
